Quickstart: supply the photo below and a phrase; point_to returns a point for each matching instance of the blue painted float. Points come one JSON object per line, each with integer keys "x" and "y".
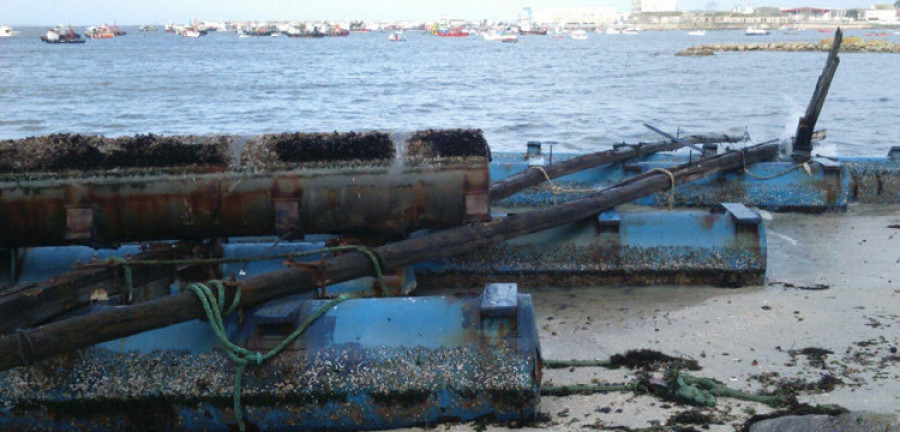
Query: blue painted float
{"x": 364, "y": 364}
{"x": 725, "y": 246}
{"x": 824, "y": 184}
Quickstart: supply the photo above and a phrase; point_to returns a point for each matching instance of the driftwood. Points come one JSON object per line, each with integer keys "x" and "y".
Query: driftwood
{"x": 807, "y": 124}
{"x": 525, "y": 179}
{"x": 68, "y": 335}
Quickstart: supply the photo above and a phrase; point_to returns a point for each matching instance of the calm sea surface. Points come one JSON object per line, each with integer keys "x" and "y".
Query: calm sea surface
{"x": 584, "y": 95}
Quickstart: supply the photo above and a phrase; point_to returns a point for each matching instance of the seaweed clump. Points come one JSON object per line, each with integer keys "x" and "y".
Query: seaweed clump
{"x": 51, "y": 153}
{"x": 154, "y": 151}
{"x": 433, "y": 143}
{"x": 795, "y": 410}
{"x": 300, "y": 148}
{"x": 85, "y": 153}
{"x": 646, "y": 359}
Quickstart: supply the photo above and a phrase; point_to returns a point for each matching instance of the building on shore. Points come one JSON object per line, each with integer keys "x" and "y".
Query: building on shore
{"x": 575, "y": 17}
{"x": 813, "y": 14}
{"x": 882, "y": 14}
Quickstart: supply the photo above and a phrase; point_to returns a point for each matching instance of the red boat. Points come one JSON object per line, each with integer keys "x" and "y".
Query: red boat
{"x": 454, "y": 32}
{"x": 882, "y": 34}
{"x": 826, "y": 30}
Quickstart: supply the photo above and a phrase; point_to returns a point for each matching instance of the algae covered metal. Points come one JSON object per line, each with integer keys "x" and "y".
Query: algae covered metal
{"x": 366, "y": 363}
{"x": 91, "y": 192}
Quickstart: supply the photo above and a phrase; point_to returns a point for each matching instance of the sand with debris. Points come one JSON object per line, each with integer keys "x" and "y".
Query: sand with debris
{"x": 833, "y": 286}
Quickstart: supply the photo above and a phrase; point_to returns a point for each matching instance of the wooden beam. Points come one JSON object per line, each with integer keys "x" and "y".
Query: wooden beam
{"x": 807, "y": 124}
{"x": 68, "y": 335}
{"x": 32, "y": 303}
{"x": 518, "y": 182}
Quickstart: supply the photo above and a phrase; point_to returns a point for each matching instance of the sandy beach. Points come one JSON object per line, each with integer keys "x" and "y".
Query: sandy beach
{"x": 833, "y": 285}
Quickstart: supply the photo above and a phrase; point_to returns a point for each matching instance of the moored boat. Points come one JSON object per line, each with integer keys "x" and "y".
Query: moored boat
{"x": 453, "y": 32}
{"x": 752, "y": 31}
{"x": 500, "y": 36}
{"x": 99, "y": 32}
{"x": 191, "y": 32}
{"x": 534, "y": 31}
{"x": 397, "y": 36}
{"x": 62, "y": 35}
{"x": 579, "y": 35}
{"x": 697, "y": 33}
{"x": 7, "y": 31}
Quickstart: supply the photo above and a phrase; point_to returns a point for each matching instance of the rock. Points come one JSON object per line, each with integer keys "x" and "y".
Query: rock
{"x": 859, "y": 421}
{"x": 695, "y": 52}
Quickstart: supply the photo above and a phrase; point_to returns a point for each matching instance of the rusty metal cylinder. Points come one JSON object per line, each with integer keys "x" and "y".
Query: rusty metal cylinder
{"x": 284, "y": 191}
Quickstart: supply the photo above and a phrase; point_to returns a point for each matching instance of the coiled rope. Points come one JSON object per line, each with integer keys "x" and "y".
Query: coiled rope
{"x": 213, "y": 303}
{"x": 214, "y": 307}
{"x": 804, "y": 165}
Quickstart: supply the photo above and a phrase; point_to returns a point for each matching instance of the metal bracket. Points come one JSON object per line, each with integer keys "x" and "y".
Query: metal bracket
{"x": 499, "y": 300}
{"x": 828, "y": 165}
{"x": 79, "y": 223}
{"x": 741, "y": 214}
{"x": 478, "y": 207}
{"x": 608, "y": 239}
{"x": 894, "y": 153}
{"x": 287, "y": 215}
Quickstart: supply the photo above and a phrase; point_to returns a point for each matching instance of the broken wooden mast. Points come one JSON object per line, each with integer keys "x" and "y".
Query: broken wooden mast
{"x": 807, "y": 124}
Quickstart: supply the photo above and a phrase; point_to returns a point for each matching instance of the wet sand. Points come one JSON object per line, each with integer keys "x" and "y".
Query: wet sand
{"x": 740, "y": 335}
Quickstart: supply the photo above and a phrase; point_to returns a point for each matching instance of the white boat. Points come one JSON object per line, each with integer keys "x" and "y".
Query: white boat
{"x": 500, "y": 36}
{"x": 397, "y": 36}
{"x": 613, "y": 30}
{"x": 755, "y": 32}
{"x": 7, "y": 31}
{"x": 630, "y": 31}
{"x": 697, "y": 33}
{"x": 189, "y": 33}
{"x": 579, "y": 35}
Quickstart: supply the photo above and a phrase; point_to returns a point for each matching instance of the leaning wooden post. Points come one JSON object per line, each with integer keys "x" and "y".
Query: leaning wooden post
{"x": 807, "y": 124}
{"x": 59, "y": 337}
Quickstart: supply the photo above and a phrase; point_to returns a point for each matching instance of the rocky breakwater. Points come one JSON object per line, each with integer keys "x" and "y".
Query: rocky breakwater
{"x": 849, "y": 45}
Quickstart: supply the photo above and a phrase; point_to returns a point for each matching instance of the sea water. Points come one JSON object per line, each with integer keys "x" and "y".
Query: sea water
{"x": 581, "y": 95}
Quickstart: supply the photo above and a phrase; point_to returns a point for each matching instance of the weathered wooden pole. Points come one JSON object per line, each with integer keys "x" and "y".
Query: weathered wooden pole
{"x": 807, "y": 124}
{"x": 516, "y": 183}
{"x": 68, "y": 335}
{"x": 32, "y": 303}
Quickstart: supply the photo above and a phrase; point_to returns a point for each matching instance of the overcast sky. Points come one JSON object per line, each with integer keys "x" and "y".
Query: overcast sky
{"x": 85, "y": 12}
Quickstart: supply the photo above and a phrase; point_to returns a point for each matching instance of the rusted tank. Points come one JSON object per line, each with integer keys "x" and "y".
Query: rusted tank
{"x": 100, "y": 191}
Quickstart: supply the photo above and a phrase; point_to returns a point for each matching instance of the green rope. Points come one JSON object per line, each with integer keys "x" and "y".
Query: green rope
{"x": 369, "y": 253}
{"x": 214, "y": 305}
{"x": 680, "y": 386}
{"x": 128, "y": 282}
{"x": 551, "y": 390}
